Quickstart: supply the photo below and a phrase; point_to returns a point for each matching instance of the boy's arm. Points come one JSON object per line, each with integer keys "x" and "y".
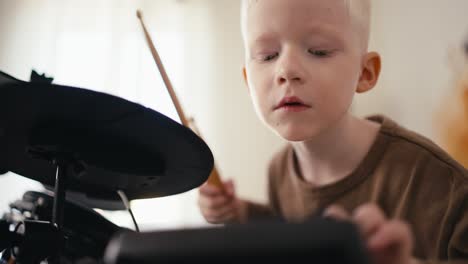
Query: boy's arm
{"x": 390, "y": 241}
{"x": 457, "y": 249}
{"x": 458, "y": 243}
{"x": 257, "y": 211}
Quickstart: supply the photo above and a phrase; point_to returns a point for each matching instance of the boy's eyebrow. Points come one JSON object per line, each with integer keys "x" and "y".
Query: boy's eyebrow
{"x": 311, "y": 31}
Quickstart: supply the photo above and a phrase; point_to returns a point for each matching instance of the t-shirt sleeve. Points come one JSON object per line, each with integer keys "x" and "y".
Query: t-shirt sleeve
{"x": 457, "y": 249}
{"x": 458, "y": 243}
{"x": 257, "y": 211}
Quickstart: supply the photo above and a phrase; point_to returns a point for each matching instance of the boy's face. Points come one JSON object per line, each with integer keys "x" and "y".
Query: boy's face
{"x": 303, "y": 64}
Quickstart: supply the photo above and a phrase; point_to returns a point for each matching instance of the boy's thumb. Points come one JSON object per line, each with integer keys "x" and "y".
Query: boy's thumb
{"x": 229, "y": 187}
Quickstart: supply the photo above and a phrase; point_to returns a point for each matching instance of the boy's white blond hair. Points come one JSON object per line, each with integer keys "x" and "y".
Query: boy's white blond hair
{"x": 359, "y": 11}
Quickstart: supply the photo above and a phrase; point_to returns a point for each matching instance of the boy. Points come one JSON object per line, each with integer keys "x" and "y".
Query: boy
{"x": 305, "y": 60}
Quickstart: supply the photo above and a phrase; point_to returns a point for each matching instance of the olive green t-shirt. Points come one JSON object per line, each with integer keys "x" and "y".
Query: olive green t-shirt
{"x": 406, "y": 174}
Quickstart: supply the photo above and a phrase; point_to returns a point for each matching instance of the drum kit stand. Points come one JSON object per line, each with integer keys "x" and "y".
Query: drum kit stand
{"x": 81, "y": 141}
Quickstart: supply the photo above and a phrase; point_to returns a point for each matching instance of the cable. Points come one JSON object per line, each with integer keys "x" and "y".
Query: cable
{"x": 127, "y": 206}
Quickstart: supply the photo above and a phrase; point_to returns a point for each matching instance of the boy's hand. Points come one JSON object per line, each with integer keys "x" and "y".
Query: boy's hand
{"x": 389, "y": 241}
{"x": 221, "y": 206}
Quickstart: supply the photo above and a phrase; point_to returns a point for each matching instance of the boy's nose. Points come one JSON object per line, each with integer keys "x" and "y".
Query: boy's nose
{"x": 286, "y": 77}
{"x": 289, "y": 71}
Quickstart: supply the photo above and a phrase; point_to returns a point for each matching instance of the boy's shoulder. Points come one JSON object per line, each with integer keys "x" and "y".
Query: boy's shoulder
{"x": 395, "y": 147}
{"x": 406, "y": 143}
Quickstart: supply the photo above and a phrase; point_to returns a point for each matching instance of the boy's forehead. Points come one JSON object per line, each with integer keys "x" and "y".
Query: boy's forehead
{"x": 310, "y": 15}
{"x": 332, "y": 5}
{"x": 306, "y": 15}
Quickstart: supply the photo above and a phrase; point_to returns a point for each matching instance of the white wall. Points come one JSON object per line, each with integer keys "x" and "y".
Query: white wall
{"x": 414, "y": 39}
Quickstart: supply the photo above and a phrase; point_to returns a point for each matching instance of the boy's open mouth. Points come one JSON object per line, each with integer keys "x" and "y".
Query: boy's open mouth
{"x": 291, "y": 103}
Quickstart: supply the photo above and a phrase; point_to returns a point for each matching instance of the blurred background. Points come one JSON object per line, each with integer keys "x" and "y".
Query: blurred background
{"x": 99, "y": 45}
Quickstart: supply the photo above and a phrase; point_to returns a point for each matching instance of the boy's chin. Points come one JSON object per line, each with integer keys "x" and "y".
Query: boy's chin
{"x": 294, "y": 136}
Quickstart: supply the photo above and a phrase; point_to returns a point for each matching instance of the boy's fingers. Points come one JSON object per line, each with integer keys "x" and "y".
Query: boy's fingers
{"x": 213, "y": 202}
{"x": 336, "y": 212}
{"x": 229, "y": 187}
{"x": 222, "y": 214}
{"x": 393, "y": 234}
{"x": 221, "y": 211}
{"x": 229, "y": 217}
{"x": 223, "y": 219}
{"x": 369, "y": 218}
{"x": 209, "y": 190}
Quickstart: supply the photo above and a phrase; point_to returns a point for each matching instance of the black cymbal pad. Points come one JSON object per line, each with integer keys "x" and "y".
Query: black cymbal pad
{"x": 112, "y": 144}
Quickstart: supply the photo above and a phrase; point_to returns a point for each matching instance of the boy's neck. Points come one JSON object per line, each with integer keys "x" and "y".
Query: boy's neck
{"x": 336, "y": 153}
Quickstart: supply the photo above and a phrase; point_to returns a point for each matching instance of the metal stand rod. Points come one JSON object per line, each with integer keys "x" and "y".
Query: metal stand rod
{"x": 59, "y": 200}
{"x": 59, "y": 204}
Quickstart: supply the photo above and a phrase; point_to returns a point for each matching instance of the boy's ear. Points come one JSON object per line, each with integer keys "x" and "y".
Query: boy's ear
{"x": 244, "y": 74}
{"x": 370, "y": 72}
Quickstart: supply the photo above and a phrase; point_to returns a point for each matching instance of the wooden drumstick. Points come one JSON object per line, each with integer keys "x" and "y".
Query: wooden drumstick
{"x": 214, "y": 177}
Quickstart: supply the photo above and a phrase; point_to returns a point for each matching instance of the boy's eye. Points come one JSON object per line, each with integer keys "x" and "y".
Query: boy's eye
{"x": 319, "y": 53}
{"x": 269, "y": 57}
